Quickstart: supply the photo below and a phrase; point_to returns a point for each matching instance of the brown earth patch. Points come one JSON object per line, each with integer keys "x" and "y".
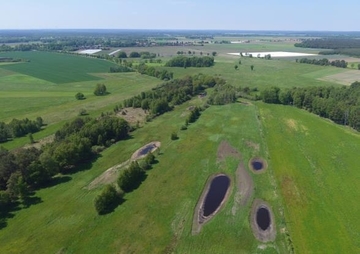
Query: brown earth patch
{"x": 253, "y": 145}
{"x": 262, "y": 235}
{"x": 133, "y": 115}
{"x": 226, "y": 150}
{"x": 111, "y": 174}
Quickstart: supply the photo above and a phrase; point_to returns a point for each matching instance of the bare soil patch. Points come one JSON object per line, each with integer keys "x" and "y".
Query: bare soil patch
{"x": 111, "y": 174}
{"x": 344, "y": 78}
{"x": 226, "y": 150}
{"x": 133, "y": 115}
{"x": 262, "y": 235}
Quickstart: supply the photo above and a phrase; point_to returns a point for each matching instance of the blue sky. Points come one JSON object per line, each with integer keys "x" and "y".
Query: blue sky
{"x": 182, "y": 14}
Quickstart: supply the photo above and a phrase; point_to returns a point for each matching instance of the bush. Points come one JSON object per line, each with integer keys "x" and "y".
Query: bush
{"x": 183, "y": 128}
{"x": 107, "y": 200}
{"x": 174, "y": 136}
{"x": 131, "y": 177}
{"x": 80, "y": 96}
{"x": 100, "y": 90}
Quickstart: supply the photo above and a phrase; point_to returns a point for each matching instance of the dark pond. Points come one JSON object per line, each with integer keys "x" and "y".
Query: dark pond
{"x": 257, "y": 165}
{"x": 263, "y": 218}
{"x": 216, "y": 194}
{"x": 147, "y": 149}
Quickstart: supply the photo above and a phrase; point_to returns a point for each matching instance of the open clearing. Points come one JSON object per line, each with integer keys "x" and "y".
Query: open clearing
{"x": 273, "y": 54}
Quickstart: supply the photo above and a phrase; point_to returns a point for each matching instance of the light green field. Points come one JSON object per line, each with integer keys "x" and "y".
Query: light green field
{"x": 57, "y": 68}
{"x": 157, "y": 217}
{"x": 316, "y": 167}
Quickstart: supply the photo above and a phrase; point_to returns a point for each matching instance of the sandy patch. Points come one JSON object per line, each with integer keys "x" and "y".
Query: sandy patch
{"x": 262, "y": 235}
{"x": 111, "y": 174}
{"x": 114, "y": 52}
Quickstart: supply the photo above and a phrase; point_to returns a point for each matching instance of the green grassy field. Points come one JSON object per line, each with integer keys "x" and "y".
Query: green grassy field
{"x": 310, "y": 182}
{"x": 57, "y": 68}
{"x": 315, "y": 164}
{"x": 157, "y": 217}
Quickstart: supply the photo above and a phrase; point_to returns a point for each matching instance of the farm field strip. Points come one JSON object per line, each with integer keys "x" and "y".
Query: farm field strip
{"x": 273, "y": 54}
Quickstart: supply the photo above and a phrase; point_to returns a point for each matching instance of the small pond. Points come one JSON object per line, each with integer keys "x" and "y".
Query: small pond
{"x": 263, "y": 218}
{"x": 147, "y": 149}
{"x": 257, "y": 165}
{"x": 216, "y": 194}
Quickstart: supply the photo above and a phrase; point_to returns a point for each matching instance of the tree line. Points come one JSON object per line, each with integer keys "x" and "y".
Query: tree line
{"x": 175, "y": 92}
{"x": 142, "y": 68}
{"x": 77, "y": 142}
{"x": 183, "y": 61}
{"x": 340, "y": 104}
{"x": 324, "y": 62}
{"x": 18, "y": 128}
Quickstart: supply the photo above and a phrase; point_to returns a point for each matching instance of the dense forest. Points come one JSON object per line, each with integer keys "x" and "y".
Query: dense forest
{"x": 340, "y": 104}
{"x": 324, "y": 62}
{"x": 345, "y": 46}
{"x": 183, "y": 61}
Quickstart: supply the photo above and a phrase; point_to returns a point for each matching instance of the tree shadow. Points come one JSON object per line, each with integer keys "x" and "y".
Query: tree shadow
{"x": 111, "y": 208}
{"x": 137, "y": 184}
{"x": 31, "y": 200}
{"x": 8, "y": 212}
{"x": 55, "y": 181}
{"x": 83, "y": 166}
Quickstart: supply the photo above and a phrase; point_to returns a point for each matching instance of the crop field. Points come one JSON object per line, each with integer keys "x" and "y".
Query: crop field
{"x": 315, "y": 163}
{"x": 57, "y": 68}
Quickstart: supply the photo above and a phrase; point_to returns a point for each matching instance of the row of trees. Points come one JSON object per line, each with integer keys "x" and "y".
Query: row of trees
{"x": 183, "y": 61}
{"x": 341, "y": 105}
{"x": 18, "y": 128}
{"x": 120, "y": 68}
{"x": 135, "y": 54}
{"x": 153, "y": 72}
{"x": 175, "y": 92}
{"x": 324, "y": 62}
{"x": 129, "y": 179}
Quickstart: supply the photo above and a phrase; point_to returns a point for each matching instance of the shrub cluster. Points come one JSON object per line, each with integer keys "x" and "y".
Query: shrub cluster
{"x": 18, "y": 128}
{"x": 183, "y": 61}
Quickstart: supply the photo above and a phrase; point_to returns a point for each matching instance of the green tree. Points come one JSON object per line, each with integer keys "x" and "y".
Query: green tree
{"x": 31, "y": 138}
{"x": 100, "y": 90}
{"x": 214, "y": 53}
{"x": 174, "y": 136}
{"x": 236, "y": 66}
{"x": 131, "y": 177}
{"x": 252, "y": 67}
{"x": 79, "y": 96}
{"x": 107, "y": 200}
{"x": 122, "y": 54}
{"x": 358, "y": 66}
{"x": 150, "y": 158}
{"x": 134, "y": 54}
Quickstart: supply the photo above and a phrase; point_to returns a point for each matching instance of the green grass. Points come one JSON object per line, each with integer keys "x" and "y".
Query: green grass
{"x": 57, "y": 68}
{"x": 157, "y": 216}
{"x": 316, "y": 168}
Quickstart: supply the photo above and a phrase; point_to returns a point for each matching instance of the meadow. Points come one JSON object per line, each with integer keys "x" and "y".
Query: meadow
{"x": 310, "y": 182}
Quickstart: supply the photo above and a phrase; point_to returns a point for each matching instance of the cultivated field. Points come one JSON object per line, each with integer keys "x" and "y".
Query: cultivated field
{"x": 57, "y": 68}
